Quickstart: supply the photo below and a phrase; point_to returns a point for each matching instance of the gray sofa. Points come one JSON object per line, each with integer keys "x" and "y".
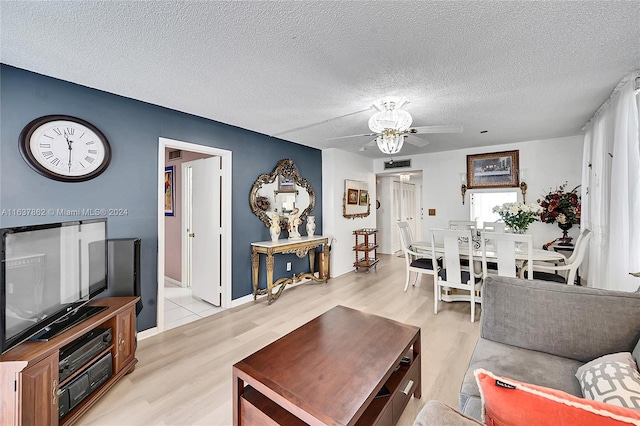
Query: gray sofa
{"x": 540, "y": 332}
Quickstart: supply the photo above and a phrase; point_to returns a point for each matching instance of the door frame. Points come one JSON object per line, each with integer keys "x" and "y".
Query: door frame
{"x": 163, "y": 144}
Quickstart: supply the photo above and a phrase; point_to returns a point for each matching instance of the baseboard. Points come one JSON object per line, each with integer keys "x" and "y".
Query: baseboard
{"x": 249, "y": 297}
{"x": 242, "y": 300}
{"x": 173, "y": 282}
{"x": 147, "y": 333}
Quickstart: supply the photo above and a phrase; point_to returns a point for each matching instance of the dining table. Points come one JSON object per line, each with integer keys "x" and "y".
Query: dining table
{"x": 537, "y": 255}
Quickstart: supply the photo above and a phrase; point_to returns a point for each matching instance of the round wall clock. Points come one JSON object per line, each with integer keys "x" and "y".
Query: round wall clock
{"x": 65, "y": 148}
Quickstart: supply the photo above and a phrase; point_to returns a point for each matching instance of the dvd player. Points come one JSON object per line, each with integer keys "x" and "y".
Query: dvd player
{"x": 76, "y": 354}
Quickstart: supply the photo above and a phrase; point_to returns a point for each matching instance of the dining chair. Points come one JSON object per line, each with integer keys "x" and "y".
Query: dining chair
{"x": 452, "y": 274}
{"x": 508, "y": 252}
{"x": 494, "y": 226}
{"x": 416, "y": 262}
{"x": 463, "y": 224}
{"x": 569, "y": 268}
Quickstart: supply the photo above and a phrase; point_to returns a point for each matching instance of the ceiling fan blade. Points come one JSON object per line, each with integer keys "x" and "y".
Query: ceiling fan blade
{"x": 319, "y": 122}
{"x": 352, "y": 136}
{"x": 454, "y": 128}
{"x": 417, "y": 142}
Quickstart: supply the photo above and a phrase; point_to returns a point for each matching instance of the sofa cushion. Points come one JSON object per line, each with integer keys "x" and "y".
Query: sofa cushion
{"x": 564, "y": 320}
{"x": 521, "y": 364}
{"x": 613, "y": 379}
{"x": 623, "y": 357}
{"x": 511, "y": 402}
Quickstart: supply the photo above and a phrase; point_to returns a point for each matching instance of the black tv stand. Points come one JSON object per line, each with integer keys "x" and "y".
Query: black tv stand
{"x": 68, "y": 321}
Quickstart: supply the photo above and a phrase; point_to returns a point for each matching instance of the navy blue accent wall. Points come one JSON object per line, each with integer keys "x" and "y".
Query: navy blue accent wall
{"x": 133, "y": 128}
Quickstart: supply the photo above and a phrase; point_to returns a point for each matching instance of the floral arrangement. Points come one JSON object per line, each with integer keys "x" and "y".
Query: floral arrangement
{"x": 518, "y": 216}
{"x": 262, "y": 202}
{"x": 560, "y": 206}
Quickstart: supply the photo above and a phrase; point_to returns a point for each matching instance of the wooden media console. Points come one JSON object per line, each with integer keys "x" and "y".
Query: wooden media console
{"x": 29, "y": 373}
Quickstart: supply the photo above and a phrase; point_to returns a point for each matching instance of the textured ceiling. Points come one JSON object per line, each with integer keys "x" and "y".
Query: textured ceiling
{"x": 309, "y": 71}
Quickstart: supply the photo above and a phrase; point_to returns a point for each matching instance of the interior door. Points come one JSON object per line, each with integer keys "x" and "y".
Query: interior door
{"x": 404, "y": 209}
{"x": 205, "y": 234}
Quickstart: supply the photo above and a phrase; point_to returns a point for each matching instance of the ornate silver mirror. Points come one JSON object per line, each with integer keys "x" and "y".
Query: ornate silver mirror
{"x": 278, "y": 193}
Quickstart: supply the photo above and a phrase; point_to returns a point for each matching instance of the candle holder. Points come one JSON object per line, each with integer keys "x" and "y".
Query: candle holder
{"x": 523, "y": 189}
{"x": 463, "y": 186}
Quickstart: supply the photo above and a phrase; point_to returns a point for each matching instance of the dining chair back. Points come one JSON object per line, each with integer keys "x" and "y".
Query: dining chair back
{"x": 572, "y": 257}
{"x": 566, "y": 273}
{"x": 494, "y": 226}
{"x": 416, "y": 262}
{"x": 510, "y": 253}
{"x": 463, "y": 224}
{"x": 453, "y": 273}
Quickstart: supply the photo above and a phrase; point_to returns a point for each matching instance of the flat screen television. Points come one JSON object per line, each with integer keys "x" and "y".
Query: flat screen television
{"x": 48, "y": 273}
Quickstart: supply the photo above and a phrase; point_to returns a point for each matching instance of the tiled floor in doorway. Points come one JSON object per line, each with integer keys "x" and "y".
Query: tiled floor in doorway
{"x": 180, "y": 307}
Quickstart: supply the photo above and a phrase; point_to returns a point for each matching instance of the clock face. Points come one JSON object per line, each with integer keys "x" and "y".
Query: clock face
{"x": 65, "y": 148}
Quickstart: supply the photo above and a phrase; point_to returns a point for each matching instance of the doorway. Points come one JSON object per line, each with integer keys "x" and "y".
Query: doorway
{"x": 212, "y": 188}
{"x": 400, "y": 200}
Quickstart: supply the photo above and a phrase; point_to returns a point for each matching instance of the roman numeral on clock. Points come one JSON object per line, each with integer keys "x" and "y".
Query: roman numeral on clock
{"x": 47, "y": 154}
{"x": 89, "y": 159}
{"x": 55, "y": 161}
{"x": 45, "y": 145}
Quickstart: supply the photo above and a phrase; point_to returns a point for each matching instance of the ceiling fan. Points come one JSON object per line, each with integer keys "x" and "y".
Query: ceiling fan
{"x": 391, "y": 126}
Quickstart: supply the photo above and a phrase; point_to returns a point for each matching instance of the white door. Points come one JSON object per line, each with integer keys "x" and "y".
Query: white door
{"x": 404, "y": 208}
{"x": 204, "y": 251}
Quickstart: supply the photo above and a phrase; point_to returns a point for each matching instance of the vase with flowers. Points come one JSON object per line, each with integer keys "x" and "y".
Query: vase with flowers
{"x": 518, "y": 216}
{"x": 561, "y": 207}
{"x": 262, "y": 202}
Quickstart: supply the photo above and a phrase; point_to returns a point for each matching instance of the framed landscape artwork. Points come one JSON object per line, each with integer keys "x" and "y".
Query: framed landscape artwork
{"x": 493, "y": 170}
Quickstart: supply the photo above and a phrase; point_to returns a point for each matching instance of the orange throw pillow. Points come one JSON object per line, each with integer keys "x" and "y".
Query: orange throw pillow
{"x": 507, "y": 402}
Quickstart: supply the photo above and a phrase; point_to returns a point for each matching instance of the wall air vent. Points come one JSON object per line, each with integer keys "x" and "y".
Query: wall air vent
{"x": 394, "y": 164}
{"x": 175, "y": 154}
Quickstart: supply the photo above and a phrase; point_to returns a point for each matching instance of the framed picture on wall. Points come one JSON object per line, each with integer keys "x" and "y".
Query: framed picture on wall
{"x": 364, "y": 197}
{"x": 352, "y": 196}
{"x": 286, "y": 184}
{"x": 493, "y": 170}
{"x": 169, "y": 186}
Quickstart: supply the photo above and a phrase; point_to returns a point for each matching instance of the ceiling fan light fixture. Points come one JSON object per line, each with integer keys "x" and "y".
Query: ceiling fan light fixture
{"x": 390, "y": 142}
{"x": 390, "y": 117}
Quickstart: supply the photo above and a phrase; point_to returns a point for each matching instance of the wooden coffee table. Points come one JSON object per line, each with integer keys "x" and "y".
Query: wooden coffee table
{"x": 329, "y": 372}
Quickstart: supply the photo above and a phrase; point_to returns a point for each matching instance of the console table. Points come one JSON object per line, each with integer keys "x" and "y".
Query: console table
{"x": 300, "y": 247}
{"x": 345, "y": 367}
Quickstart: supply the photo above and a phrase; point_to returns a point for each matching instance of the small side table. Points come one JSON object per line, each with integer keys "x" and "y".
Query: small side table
{"x": 366, "y": 245}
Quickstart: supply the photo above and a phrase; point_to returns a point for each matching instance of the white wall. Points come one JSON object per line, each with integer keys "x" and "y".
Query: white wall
{"x": 548, "y": 164}
{"x": 338, "y": 165}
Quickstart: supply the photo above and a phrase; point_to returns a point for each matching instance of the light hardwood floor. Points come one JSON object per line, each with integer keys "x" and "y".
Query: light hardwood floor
{"x": 183, "y": 376}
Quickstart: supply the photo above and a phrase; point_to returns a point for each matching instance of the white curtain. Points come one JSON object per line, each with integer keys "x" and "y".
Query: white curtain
{"x": 611, "y": 201}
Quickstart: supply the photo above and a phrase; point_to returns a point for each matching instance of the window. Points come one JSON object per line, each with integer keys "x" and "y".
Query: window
{"x": 482, "y": 204}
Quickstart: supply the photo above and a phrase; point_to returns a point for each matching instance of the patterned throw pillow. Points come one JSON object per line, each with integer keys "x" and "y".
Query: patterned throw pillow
{"x": 613, "y": 379}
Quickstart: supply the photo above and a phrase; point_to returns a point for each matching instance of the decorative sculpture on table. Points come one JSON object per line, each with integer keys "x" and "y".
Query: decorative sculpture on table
{"x": 311, "y": 225}
{"x": 274, "y": 229}
{"x": 294, "y": 222}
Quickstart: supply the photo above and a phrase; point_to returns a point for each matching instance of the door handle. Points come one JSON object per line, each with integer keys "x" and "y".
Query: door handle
{"x": 192, "y": 234}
